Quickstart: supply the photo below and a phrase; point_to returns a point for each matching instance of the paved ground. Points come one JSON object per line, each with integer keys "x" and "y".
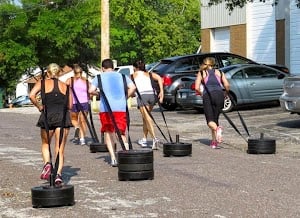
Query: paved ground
{"x": 222, "y": 183}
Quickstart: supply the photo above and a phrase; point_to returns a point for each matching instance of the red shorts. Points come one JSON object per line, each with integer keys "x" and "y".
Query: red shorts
{"x": 107, "y": 124}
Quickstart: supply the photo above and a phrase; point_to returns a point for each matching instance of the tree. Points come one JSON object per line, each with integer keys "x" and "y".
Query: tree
{"x": 231, "y": 4}
{"x": 38, "y": 32}
{"x": 152, "y": 30}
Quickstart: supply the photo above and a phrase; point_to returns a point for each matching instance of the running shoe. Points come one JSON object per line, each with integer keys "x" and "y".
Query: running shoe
{"x": 155, "y": 144}
{"x": 214, "y": 144}
{"x": 82, "y": 141}
{"x": 143, "y": 142}
{"x": 114, "y": 163}
{"x": 219, "y": 134}
{"x": 46, "y": 171}
{"x": 58, "y": 179}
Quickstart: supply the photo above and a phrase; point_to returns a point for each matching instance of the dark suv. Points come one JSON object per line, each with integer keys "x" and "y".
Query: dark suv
{"x": 173, "y": 68}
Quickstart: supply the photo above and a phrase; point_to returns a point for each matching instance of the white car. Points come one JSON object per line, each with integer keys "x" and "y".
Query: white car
{"x": 126, "y": 70}
{"x": 290, "y": 99}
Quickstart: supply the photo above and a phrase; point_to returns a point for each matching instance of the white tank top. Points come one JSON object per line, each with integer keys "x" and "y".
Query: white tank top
{"x": 143, "y": 83}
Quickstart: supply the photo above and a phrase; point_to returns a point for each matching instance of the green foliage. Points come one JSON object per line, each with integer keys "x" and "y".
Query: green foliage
{"x": 152, "y": 30}
{"x": 39, "y": 32}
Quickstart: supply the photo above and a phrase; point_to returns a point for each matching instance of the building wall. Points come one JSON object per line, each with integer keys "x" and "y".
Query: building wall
{"x": 261, "y": 32}
{"x": 215, "y": 16}
{"x": 238, "y": 39}
{"x": 205, "y": 40}
{"x": 280, "y": 42}
{"x": 294, "y": 38}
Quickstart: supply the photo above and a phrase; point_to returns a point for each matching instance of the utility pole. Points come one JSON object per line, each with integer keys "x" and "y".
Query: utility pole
{"x": 104, "y": 29}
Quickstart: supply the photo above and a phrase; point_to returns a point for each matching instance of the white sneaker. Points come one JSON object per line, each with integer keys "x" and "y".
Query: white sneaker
{"x": 82, "y": 141}
{"x": 155, "y": 144}
{"x": 143, "y": 142}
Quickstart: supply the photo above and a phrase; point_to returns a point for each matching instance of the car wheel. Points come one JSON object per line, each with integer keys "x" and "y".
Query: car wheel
{"x": 169, "y": 106}
{"x": 228, "y": 105}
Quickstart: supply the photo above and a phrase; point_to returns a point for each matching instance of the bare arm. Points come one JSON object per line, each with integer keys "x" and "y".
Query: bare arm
{"x": 70, "y": 98}
{"x": 198, "y": 82}
{"x": 35, "y": 90}
{"x": 225, "y": 82}
{"x": 161, "y": 87}
{"x": 131, "y": 89}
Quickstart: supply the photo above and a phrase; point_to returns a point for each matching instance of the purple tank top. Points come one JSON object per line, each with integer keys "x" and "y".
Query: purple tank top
{"x": 212, "y": 82}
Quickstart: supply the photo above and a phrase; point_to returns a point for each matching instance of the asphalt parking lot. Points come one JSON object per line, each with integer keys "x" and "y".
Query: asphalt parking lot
{"x": 223, "y": 183}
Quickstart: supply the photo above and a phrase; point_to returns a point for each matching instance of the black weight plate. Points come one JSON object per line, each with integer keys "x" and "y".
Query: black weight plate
{"x": 177, "y": 149}
{"x": 177, "y": 152}
{"x": 135, "y": 157}
{"x": 261, "y": 146}
{"x": 135, "y": 160}
{"x": 177, "y": 146}
{"x": 135, "y": 167}
{"x": 134, "y": 153}
{"x": 46, "y": 196}
{"x": 141, "y": 175}
{"x": 98, "y": 147}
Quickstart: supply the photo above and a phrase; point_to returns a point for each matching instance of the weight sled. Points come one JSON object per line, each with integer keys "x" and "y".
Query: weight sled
{"x": 98, "y": 146}
{"x": 177, "y": 149}
{"x": 261, "y": 146}
{"x": 51, "y": 196}
{"x": 135, "y": 165}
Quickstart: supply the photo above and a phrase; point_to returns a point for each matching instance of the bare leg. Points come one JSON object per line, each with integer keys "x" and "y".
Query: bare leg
{"x": 145, "y": 129}
{"x": 82, "y": 124}
{"x": 45, "y": 145}
{"x": 60, "y": 148}
{"x": 147, "y": 120}
{"x": 213, "y": 126}
{"x": 110, "y": 141}
{"x": 74, "y": 119}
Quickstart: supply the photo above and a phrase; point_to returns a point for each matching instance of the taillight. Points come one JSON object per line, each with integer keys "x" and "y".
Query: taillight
{"x": 167, "y": 81}
{"x": 193, "y": 86}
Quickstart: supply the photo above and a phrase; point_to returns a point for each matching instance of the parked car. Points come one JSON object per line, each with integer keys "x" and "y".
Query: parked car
{"x": 21, "y": 101}
{"x": 171, "y": 69}
{"x": 126, "y": 70}
{"x": 290, "y": 99}
{"x": 249, "y": 83}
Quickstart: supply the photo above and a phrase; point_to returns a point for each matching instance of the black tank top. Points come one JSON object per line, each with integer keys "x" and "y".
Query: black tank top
{"x": 55, "y": 100}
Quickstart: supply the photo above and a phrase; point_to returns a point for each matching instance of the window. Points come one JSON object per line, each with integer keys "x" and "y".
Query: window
{"x": 230, "y": 60}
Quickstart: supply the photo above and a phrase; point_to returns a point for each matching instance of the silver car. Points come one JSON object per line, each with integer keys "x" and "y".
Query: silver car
{"x": 249, "y": 83}
{"x": 290, "y": 99}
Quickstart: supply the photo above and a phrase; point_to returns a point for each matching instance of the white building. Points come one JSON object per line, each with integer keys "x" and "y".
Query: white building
{"x": 260, "y": 31}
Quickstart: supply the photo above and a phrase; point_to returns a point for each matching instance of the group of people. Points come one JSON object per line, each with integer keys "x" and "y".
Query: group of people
{"x": 66, "y": 105}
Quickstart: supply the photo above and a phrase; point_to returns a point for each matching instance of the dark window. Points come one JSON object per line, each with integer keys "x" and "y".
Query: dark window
{"x": 230, "y": 60}
{"x": 238, "y": 75}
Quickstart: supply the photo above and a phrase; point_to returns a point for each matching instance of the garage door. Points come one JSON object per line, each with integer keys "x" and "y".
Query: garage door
{"x": 220, "y": 40}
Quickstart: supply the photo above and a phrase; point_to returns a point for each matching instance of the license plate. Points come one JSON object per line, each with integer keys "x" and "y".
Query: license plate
{"x": 183, "y": 95}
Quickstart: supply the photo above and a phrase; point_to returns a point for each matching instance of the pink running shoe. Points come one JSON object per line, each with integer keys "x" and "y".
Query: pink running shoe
{"x": 46, "y": 171}
{"x": 58, "y": 179}
{"x": 213, "y": 144}
{"x": 219, "y": 134}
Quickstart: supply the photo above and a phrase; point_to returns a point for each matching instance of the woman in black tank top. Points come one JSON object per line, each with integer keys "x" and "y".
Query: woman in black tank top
{"x": 55, "y": 106}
